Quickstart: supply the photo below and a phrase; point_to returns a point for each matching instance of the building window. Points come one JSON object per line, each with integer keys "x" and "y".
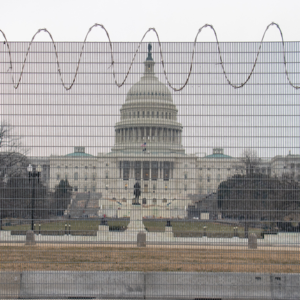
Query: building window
{"x": 166, "y": 115}
{"x": 154, "y": 201}
{"x": 144, "y": 201}
{"x": 86, "y": 167}
{"x": 148, "y": 114}
{"x": 154, "y": 187}
{"x": 106, "y": 175}
{"x": 185, "y": 187}
{"x": 130, "y": 115}
{"x": 66, "y": 167}
{"x": 94, "y": 177}
{"x": 57, "y": 177}
{"x": 138, "y": 114}
{"x": 75, "y": 188}
{"x": 153, "y": 114}
{"x": 218, "y": 177}
{"x": 164, "y": 200}
{"x": 94, "y": 189}
{"x": 85, "y": 188}
{"x": 185, "y": 176}
{"x": 157, "y": 115}
{"x": 85, "y": 177}
{"x": 76, "y": 167}
{"x": 66, "y": 176}
{"x": 94, "y": 167}
{"x": 126, "y": 186}
{"x": 169, "y": 116}
{"x": 166, "y": 187}
{"x": 292, "y": 166}
{"x": 143, "y": 114}
{"x": 208, "y": 178}
{"x": 76, "y": 176}
{"x": 106, "y": 187}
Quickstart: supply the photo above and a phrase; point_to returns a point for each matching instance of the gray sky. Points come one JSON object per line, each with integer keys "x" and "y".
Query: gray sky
{"x": 211, "y": 119}
{"x": 69, "y": 20}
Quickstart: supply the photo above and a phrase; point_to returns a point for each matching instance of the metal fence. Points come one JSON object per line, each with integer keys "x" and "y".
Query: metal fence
{"x": 140, "y": 191}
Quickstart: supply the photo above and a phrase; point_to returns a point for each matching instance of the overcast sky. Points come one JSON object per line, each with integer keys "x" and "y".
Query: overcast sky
{"x": 128, "y": 20}
{"x": 177, "y": 21}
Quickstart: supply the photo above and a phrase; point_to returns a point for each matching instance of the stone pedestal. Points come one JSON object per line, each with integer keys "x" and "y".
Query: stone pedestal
{"x": 168, "y": 229}
{"x": 30, "y": 238}
{"x": 103, "y": 228}
{"x": 136, "y": 219}
{"x": 141, "y": 239}
{"x": 252, "y": 241}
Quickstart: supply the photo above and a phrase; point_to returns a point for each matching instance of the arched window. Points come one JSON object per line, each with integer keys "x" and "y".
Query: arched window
{"x": 166, "y": 115}
{"x": 138, "y": 114}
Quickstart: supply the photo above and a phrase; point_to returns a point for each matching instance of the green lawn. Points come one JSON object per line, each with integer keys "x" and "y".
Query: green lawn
{"x": 180, "y": 228}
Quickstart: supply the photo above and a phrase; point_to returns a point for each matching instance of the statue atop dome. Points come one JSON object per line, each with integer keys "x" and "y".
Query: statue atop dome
{"x": 149, "y": 52}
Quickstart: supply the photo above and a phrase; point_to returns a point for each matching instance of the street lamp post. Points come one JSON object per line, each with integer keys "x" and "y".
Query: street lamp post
{"x": 35, "y": 175}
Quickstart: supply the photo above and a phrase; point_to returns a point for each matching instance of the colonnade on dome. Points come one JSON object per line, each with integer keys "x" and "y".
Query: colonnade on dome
{"x": 150, "y": 134}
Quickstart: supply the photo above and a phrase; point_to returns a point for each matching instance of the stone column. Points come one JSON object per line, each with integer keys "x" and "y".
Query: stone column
{"x": 139, "y": 134}
{"x": 134, "y": 134}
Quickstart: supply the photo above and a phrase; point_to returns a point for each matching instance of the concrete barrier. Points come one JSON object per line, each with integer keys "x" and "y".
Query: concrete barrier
{"x": 152, "y": 285}
{"x": 10, "y": 285}
{"x": 64, "y": 284}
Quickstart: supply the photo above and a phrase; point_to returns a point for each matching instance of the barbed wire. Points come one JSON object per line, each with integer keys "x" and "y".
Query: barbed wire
{"x": 68, "y": 87}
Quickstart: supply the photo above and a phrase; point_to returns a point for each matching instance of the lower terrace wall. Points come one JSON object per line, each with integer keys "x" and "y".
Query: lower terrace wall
{"x": 150, "y": 285}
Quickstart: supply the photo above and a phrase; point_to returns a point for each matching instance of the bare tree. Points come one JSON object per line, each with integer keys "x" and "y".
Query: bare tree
{"x": 13, "y": 160}
{"x": 14, "y": 191}
{"x": 250, "y": 160}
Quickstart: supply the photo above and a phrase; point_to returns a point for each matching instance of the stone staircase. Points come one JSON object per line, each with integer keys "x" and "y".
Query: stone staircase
{"x": 84, "y": 204}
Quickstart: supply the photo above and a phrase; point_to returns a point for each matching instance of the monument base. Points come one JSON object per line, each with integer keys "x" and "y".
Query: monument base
{"x": 136, "y": 219}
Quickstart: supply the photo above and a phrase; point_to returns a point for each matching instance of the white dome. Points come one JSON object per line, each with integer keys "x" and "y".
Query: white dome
{"x": 149, "y": 88}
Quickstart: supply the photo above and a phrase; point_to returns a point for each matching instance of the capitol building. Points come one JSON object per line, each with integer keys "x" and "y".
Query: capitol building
{"x": 148, "y": 149}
